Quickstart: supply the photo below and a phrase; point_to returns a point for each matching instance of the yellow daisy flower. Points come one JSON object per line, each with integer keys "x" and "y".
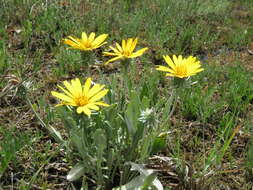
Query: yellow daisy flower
{"x": 125, "y": 51}
{"x": 181, "y": 67}
{"x": 86, "y": 97}
{"x": 86, "y": 43}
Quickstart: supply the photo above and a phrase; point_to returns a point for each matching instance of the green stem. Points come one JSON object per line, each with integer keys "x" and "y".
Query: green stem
{"x": 125, "y": 66}
{"x": 87, "y": 60}
{"x": 178, "y": 85}
{"x": 125, "y": 73}
{"x": 174, "y": 99}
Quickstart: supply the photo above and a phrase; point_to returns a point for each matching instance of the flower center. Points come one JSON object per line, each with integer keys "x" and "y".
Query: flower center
{"x": 88, "y": 44}
{"x": 81, "y": 101}
{"x": 127, "y": 53}
{"x": 181, "y": 70}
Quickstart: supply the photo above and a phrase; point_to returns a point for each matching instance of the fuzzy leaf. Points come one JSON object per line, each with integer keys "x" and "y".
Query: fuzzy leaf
{"x": 147, "y": 178}
{"x": 76, "y": 172}
{"x": 100, "y": 142}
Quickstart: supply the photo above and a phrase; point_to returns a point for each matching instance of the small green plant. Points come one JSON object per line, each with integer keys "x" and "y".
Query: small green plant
{"x": 103, "y": 142}
{"x": 190, "y": 122}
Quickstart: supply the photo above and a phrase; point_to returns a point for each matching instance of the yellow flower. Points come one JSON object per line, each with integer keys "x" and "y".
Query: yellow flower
{"x": 84, "y": 97}
{"x": 125, "y": 51}
{"x": 180, "y": 67}
{"x": 86, "y": 43}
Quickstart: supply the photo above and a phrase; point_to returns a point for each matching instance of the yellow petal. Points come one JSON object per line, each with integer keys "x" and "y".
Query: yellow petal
{"x": 91, "y": 37}
{"x": 124, "y": 45}
{"x": 65, "y": 91}
{"x": 94, "y": 90}
{"x": 129, "y": 44}
{"x": 198, "y": 70}
{"x": 93, "y": 107}
{"x": 180, "y": 76}
{"x": 138, "y": 53}
{"x": 169, "y": 61}
{"x": 175, "y": 60}
{"x": 84, "y": 109}
{"x": 66, "y": 104}
{"x": 99, "y": 40}
{"x": 69, "y": 42}
{"x": 86, "y": 87}
{"x": 133, "y": 45}
{"x": 119, "y": 47}
{"x": 115, "y": 50}
{"x": 77, "y": 86}
{"x": 84, "y": 37}
{"x": 165, "y": 69}
{"x": 194, "y": 66}
{"x": 97, "y": 46}
{"x": 110, "y": 54}
{"x": 180, "y": 58}
{"x": 191, "y": 59}
{"x": 62, "y": 96}
{"x": 76, "y": 40}
{"x": 113, "y": 59}
{"x": 101, "y": 104}
{"x": 69, "y": 87}
{"x": 60, "y": 104}
{"x": 99, "y": 95}
{"x": 170, "y": 75}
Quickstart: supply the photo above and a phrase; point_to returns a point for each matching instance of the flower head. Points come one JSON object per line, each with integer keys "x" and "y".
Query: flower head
{"x": 181, "y": 67}
{"x": 85, "y": 98}
{"x": 146, "y": 115}
{"x": 86, "y": 43}
{"x": 125, "y": 51}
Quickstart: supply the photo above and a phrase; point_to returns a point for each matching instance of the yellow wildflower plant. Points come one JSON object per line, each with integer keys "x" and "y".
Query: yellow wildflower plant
{"x": 181, "y": 67}
{"x": 125, "y": 51}
{"x": 85, "y": 98}
{"x": 86, "y": 43}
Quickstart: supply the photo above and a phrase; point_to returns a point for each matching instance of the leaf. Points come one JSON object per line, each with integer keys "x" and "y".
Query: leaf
{"x": 144, "y": 91}
{"x": 150, "y": 175}
{"x": 76, "y": 172}
{"x": 145, "y": 102}
{"x": 130, "y": 126}
{"x": 168, "y": 106}
{"x": 56, "y": 134}
{"x": 99, "y": 136}
{"x": 67, "y": 118}
{"x": 146, "y": 179}
{"x": 132, "y": 112}
{"x": 135, "y": 184}
{"x": 142, "y": 182}
{"x": 140, "y": 168}
{"x": 99, "y": 141}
